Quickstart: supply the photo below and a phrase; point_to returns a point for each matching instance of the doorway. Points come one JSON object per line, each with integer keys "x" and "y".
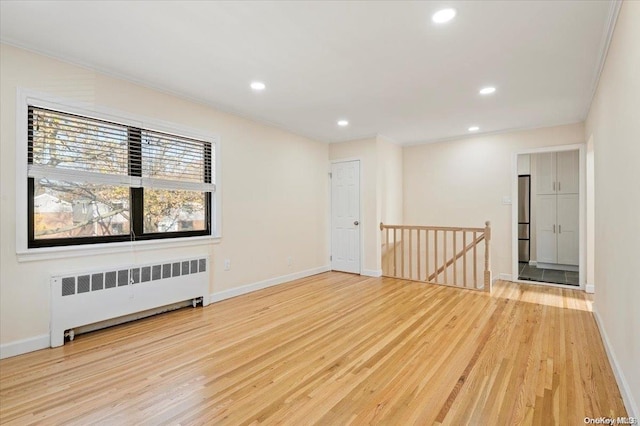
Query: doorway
{"x": 548, "y": 218}
{"x": 345, "y": 216}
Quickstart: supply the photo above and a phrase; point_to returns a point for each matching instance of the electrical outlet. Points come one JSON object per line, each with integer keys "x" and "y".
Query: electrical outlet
{"x": 289, "y": 261}
{"x": 227, "y": 264}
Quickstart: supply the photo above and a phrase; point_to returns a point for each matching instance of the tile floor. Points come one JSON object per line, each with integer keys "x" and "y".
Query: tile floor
{"x": 532, "y": 273}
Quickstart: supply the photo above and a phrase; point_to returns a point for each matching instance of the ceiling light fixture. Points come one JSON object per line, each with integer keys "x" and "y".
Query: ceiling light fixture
{"x": 258, "y": 85}
{"x": 474, "y": 128}
{"x": 343, "y": 123}
{"x": 487, "y": 90}
{"x": 443, "y": 16}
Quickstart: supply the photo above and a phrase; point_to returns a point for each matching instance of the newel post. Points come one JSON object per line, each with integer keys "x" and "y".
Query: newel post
{"x": 487, "y": 257}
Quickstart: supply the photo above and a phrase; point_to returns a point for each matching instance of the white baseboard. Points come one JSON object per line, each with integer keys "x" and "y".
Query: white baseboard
{"x": 371, "y": 273}
{"x": 239, "y": 291}
{"x": 590, "y": 288}
{"x": 23, "y": 346}
{"x": 503, "y": 277}
{"x": 623, "y": 385}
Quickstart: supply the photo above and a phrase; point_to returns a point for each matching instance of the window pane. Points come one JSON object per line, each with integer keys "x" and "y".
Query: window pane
{"x": 70, "y": 142}
{"x": 174, "y": 211}
{"x": 75, "y": 210}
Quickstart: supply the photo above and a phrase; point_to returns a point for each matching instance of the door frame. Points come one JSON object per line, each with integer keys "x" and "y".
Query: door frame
{"x": 362, "y": 222}
{"x": 582, "y": 234}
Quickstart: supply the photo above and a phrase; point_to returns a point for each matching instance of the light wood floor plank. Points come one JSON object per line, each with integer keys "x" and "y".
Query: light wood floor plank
{"x": 331, "y": 349}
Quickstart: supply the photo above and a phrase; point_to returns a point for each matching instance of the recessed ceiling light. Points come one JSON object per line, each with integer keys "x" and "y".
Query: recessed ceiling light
{"x": 474, "y": 128}
{"x": 343, "y": 123}
{"x": 258, "y": 85}
{"x": 444, "y": 15}
{"x": 487, "y": 90}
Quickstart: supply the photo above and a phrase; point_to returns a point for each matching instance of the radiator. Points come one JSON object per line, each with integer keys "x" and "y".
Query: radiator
{"x": 82, "y": 299}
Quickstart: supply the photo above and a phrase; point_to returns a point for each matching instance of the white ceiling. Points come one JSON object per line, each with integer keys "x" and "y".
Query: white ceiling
{"x": 384, "y": 66}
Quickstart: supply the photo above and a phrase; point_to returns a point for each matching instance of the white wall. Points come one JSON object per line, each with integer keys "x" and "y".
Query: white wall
{"x": 390, "y": 171}
{"x": 614, "y": 125}
{"x": 462, "y": 182}
{"x": 274, "y": 191}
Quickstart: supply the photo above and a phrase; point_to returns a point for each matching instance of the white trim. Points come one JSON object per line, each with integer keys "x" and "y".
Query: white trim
{"x": 239, "y": 291}
{"x": 67, "y": 252}
{"x": 25, "y": 97}
{"x": 590, "y": 288}
{"x": 376, "y": 273}
{"x": 582, "y": 268}
{"x": 533, "y": 263}
{"x": 623, "y": 385}
{"x": 605, "y": 42}
{"x": 23, "y": 346}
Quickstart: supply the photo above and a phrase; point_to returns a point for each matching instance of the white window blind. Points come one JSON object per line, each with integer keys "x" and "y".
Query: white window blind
{"x": 82, "y": 149}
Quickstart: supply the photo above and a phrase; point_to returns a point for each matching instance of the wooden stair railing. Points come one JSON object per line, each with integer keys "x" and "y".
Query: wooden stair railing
{"x": 430, "y": 253}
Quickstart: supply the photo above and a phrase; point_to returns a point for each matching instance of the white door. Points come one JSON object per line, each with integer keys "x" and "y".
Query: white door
{"x": 568, "y": 237}
{"x": 345, "y": 216}
{"x": 546, "y": 241}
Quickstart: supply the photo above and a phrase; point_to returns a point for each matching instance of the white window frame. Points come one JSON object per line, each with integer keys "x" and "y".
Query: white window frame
{"x": 25, "y": 98}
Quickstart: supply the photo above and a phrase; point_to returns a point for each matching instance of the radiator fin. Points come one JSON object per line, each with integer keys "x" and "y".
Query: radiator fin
{"x": 68, "y": 286}
{"x": 110, "y": 279}
{"x": 123, "y": 277}
{"x": 135, "y": 275}
{"x": 97, "y": 282}
{"x": 146, "y": 274}
{"x": 84, "y": 283}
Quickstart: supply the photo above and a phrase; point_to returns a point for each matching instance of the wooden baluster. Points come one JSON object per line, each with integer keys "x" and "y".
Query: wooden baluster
{"x": 395, "y": 246}
{"x": 464, "y": 259}
{"x": 402, "y": 251}
{"x": 426, "y": 254}
{"x": 418, "y": 255}
{"x": 435, "y": 255}
{"x": 455, "y": 263}
{"x": 475, "y": 261}
{"x": 487, "y": 257}
{"x": 387, "y": 254}
{"x": 411, "y": 254}
{"x": 444, "y": 256}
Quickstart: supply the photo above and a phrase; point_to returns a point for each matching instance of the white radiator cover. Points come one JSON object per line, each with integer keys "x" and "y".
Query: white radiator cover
{"x": 81, "y": 299}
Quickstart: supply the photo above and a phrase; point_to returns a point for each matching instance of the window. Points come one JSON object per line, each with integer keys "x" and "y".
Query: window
{"x": 95, "y": 181}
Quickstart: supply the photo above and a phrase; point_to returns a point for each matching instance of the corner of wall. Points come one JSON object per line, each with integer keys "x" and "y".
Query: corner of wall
{"x": 625, "y": 391}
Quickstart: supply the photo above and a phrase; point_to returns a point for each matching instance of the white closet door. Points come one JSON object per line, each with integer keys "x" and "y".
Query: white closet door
{"x": 568, "y": 237}
{"x": 546, "y": 243}
{"x": 546, "y": 173}
{"x": 568, "y": 170}
{"x": 345, "y": 216}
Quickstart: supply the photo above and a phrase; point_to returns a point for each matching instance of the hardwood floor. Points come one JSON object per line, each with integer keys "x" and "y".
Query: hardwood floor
{"x": 331, "y": 349}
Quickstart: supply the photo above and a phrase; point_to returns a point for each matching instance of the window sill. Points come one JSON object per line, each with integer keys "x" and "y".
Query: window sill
{"x": 49, "y": 253}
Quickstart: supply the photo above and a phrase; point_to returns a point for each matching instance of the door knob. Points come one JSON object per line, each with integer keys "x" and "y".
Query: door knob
{"x": 356, "y": 223}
